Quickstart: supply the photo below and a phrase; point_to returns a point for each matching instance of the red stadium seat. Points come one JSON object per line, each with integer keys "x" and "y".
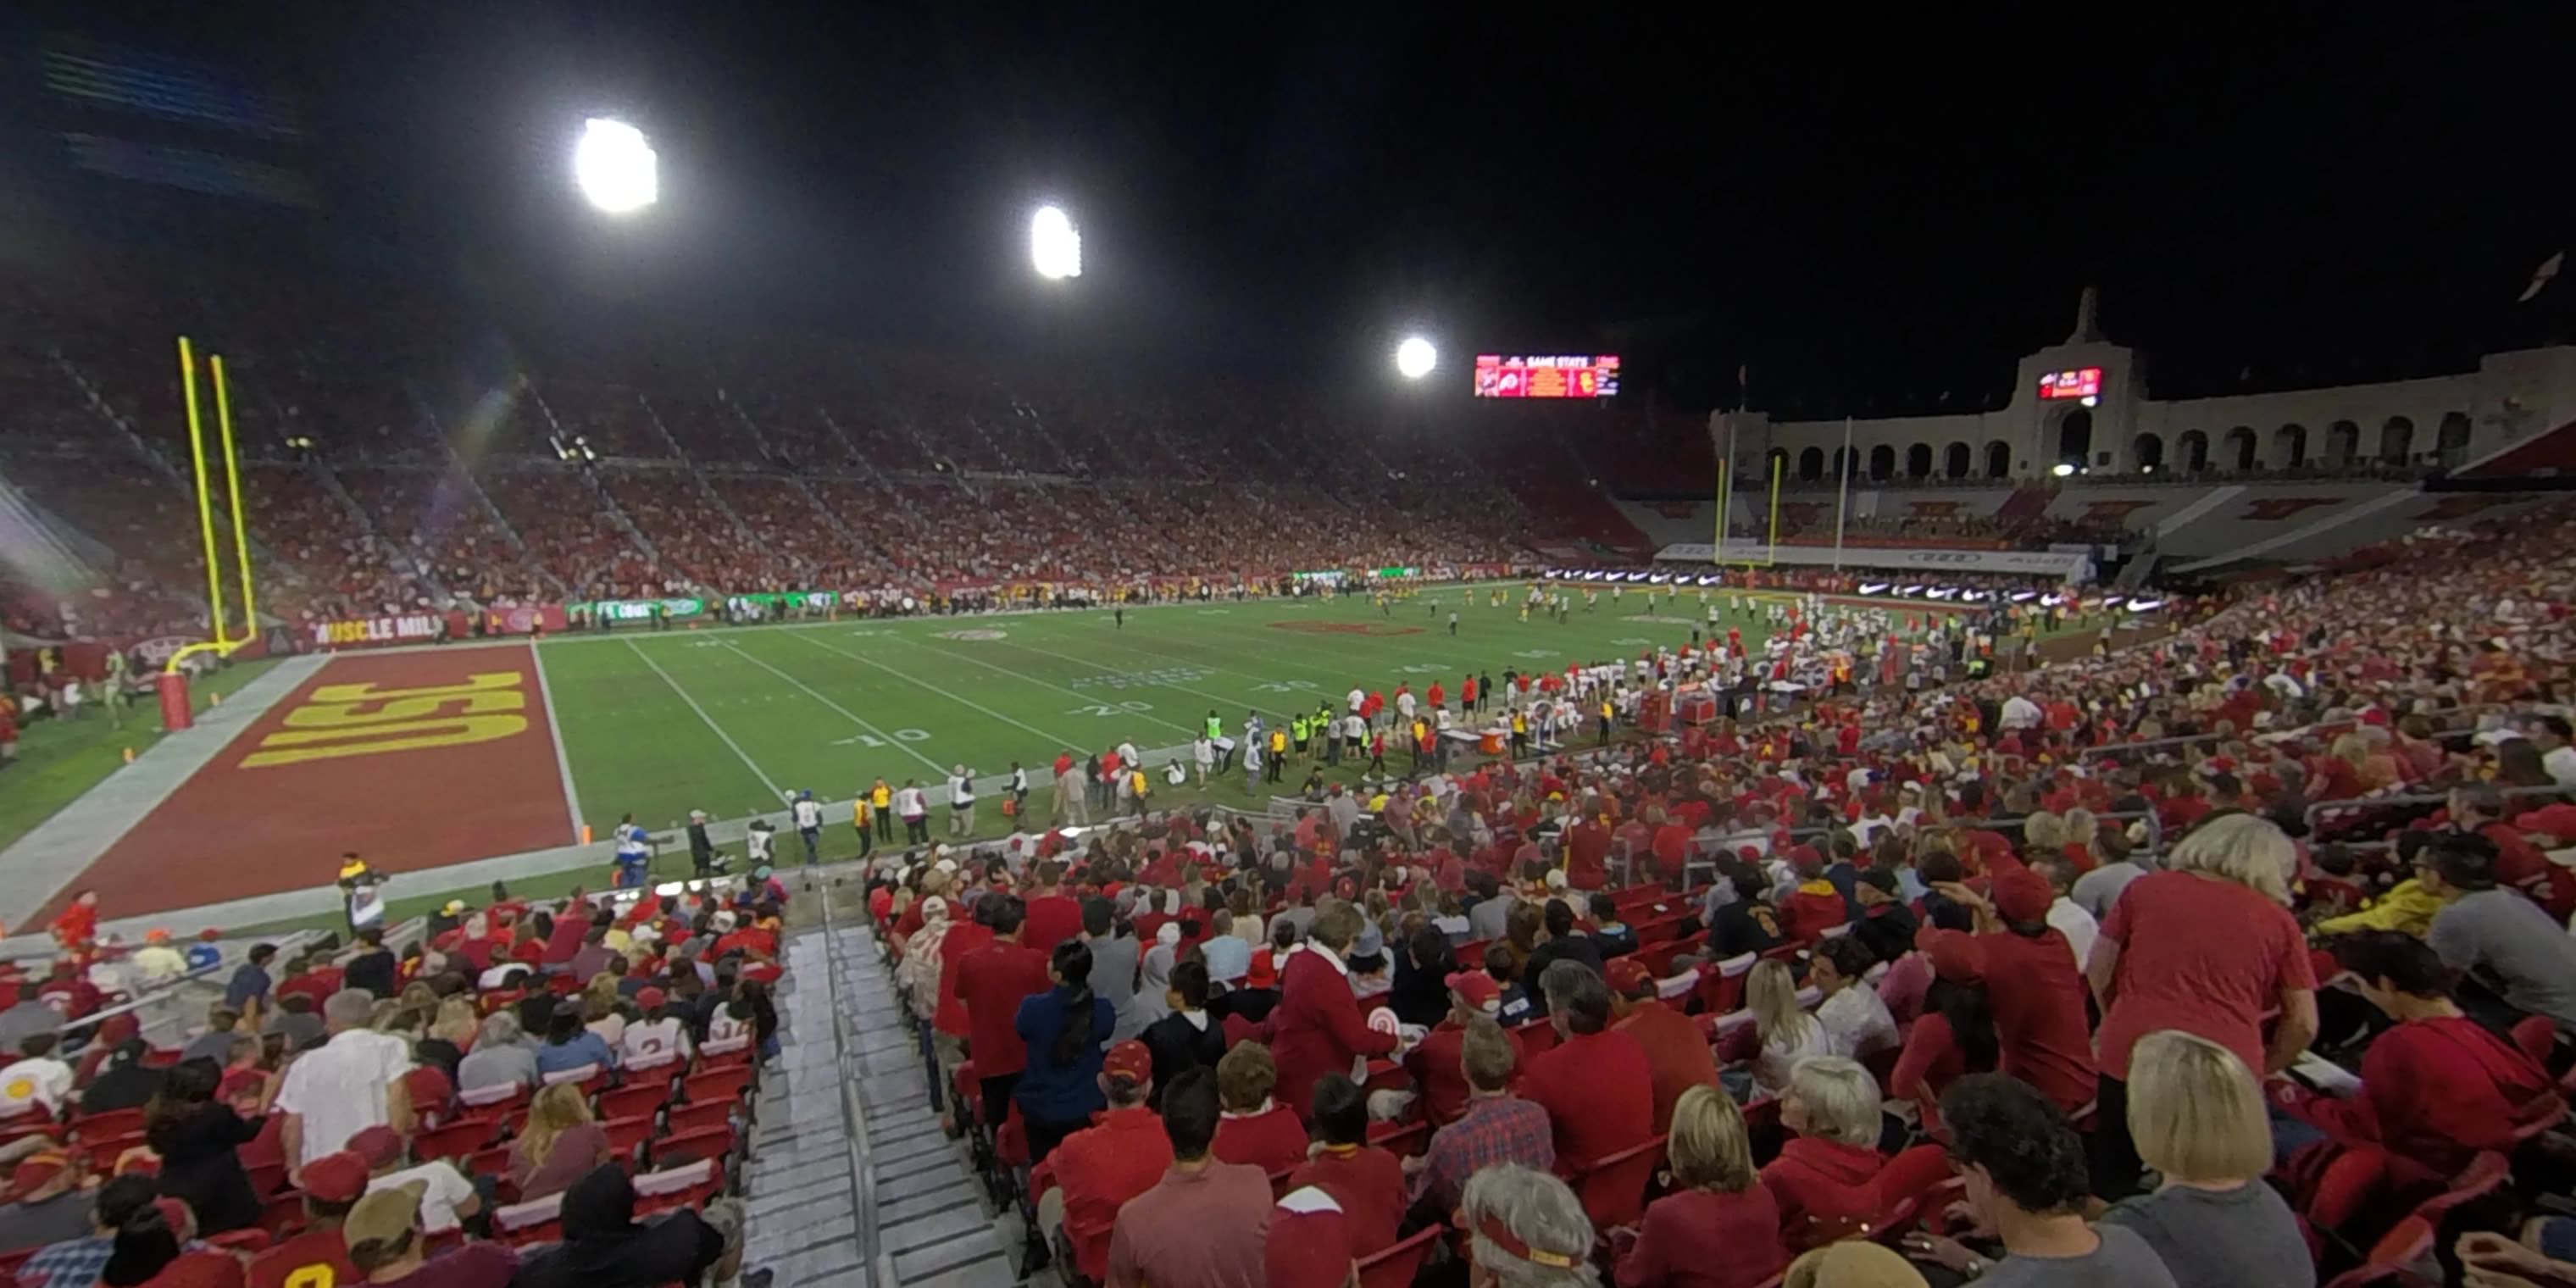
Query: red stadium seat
{"x": 626, "y": 1135}
{"x": 455, "y": 1140}
{"x": 1395, "y": 1266}
{"x": 690, "y": 1146}
{"x": 251, "y": 1240}
{"x": 630, "y": 1100}
{"x": 1613, "y": 1189}
{"x": 283, "y": 1214}
{"x": 700, "y": 1114}
{"x": 717, "y": 1084}
{"x": 103, "y": 1126}
{"x": 1404, "y": 1140}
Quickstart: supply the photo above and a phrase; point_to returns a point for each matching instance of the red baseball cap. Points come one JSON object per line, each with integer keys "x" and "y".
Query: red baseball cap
{"x": 1629, "y": 978}
{"x": 651, "y": 999}
{"x": 336, "y": 1178}
{"x": 377, "y": 1145}
{"x": 2022, "y": 895}
{"x": 1264, "y": 973}
{"x": 1477, "y": 989}
{"x": 1955, "y": 957}
{"x": 1129, "y": 1061}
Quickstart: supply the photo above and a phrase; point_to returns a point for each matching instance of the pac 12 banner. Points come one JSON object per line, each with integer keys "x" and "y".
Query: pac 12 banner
{"x": 2030, "y": 563}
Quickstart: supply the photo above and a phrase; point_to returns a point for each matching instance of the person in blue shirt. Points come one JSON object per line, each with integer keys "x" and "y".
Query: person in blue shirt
{"x": 1066, "y": 1029}
{"x": 570, "y": 1045}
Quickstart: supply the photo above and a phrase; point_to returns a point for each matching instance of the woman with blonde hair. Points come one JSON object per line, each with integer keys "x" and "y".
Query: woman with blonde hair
{"x": 1825, "y": 1176}
{"x": 1781, "y": 1023}
{"x": 2201, "y": 1122}
{"x": 450, "y": 1035}
{"x": 2042, "y": 833}
{"x": 560, "y": 1145}
{"x": 2205, "y": 946}
{"x": 1719, "y": 1228}
{"x": 2082, "y": 830}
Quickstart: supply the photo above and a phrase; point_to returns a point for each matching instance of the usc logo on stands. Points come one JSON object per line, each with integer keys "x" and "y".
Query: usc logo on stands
{"x": 363, "y": 720}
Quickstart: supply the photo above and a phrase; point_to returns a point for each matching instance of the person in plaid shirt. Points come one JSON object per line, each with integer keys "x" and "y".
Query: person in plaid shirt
{"x": 1496, "y": 1128}
{"x": 76, "y": 1263}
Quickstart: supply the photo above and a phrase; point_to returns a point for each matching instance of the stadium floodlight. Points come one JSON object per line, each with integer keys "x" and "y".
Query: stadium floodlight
{"x": 615, "y": 167}
{"x": 2063, "y": 469}
{"x": 1415, "y": 358}
{"x": 1055, "y": 245}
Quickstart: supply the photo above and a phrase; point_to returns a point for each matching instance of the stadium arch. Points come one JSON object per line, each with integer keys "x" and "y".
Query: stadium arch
{"x": 1775, "y": 461}
{"x": 1998, "y": 459}
{"x": 2397, "y": 440}
{"x": 2075, "y": 438}
{"x": 1960, "y": 459}
{"x": 2242, "y": 449}
{"x": 2148, "y": 451}
{"x": 1811, "y": 465}
{"x": 1918, "y": 461}
{"x": 2290, "y": 446}
{"x": 2343, "y": 443}
{"x": 2193, "y": 448}
{"x": 1882, "y": 462}
{"x": 2452, "y": 435}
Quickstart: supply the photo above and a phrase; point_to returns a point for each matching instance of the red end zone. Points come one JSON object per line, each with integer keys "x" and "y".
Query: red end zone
{"x": 414, "y": 760}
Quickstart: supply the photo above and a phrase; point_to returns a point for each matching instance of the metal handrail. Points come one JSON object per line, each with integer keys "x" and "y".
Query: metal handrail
{"x": 2359, "y": 803}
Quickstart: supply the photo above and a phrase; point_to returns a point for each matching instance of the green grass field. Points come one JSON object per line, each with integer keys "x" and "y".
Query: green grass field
{"x": 727, "y": 720}
{"x": 60, "y": 759}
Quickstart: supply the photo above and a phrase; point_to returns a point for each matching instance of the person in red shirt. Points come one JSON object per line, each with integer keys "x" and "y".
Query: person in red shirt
{"x": 1720, "y": 1226}
{"x": 1434, "y": 1062}
{"x": 1252, "y": 1128}
{"x": 1595, "y": 1084}
{"x": 2437, "y": 1088}
{"x": 1815, "y": 906}
{"x": 1587, "y": 854}
{"x": 992, "y": 981}
{"x": 1054, "y": 916}
{"x": 1097, "y": 1169}
{"x": 78, "y": 924}
{"x": 1366, "y": 1180}
{"x": 1824, "y": 1177}
{"x": 2033, "y": 989}
{"x": 2206, "y": 946}
{"x": 1676, "y": 1055}
{"x": 333, "y": 1184}
{"x": 2520, "y": 865}
{"x": 1318, "y": 1027}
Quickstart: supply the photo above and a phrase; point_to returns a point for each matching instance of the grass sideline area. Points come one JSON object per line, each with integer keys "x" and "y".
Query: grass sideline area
{"x": 58, "y": 760}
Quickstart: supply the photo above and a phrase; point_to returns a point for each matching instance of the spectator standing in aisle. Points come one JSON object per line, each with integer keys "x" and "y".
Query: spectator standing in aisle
{"x": 881, "y": 805}
{"x": 1318, "y": 1027}
{"x": 992, "y": 981}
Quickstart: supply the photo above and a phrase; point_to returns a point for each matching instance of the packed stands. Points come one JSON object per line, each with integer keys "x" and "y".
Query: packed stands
{"x": 277, "y": 1098}
{"x": 2288, "y": 855}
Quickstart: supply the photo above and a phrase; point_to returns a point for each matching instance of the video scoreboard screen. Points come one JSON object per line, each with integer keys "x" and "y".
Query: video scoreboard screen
{"x": 2082, "y": 382}
{"x": 1547, "y": 376}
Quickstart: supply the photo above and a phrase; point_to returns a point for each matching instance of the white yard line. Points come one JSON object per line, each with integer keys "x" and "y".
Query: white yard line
{"x": 563, "y": 757}
{"x": 965, "y": 653}
{"x": 852, "y": 716}
{"x": 1183, "y": 688}
{"x": 748, "y": 763}
{"x": 1058, "y": 740}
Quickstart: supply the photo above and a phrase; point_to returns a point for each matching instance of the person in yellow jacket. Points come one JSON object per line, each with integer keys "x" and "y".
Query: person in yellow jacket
{"x": 2407, "y": 906}
{"x": 881, "y": 804}
{"x": 1139, "y": 787}
{"x": 1520, "y": 734}
{"x": 861, "y": 815}
{"x": 1608, "y": 714}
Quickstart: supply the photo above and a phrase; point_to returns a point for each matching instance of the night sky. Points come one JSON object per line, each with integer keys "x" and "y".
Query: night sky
{"x": 1874, "y": 215}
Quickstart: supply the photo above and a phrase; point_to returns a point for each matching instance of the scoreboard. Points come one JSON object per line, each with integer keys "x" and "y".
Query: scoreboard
{"x": 1547, "y": 376}
{"x": 2082, "y": 382}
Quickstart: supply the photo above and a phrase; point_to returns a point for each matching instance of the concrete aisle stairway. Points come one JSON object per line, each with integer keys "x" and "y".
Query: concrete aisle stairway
{"x": 893, "y": 1205}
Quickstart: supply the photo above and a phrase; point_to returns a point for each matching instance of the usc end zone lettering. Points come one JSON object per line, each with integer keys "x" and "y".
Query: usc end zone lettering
{"x": 363, "y": 720}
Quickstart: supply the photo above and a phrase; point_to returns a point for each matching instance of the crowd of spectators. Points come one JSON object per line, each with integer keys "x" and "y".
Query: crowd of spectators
{"x": 533, "y": 1094}
{"x": 2235, "y": 955}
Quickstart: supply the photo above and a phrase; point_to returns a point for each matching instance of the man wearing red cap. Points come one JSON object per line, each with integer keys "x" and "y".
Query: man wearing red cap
{"x": 1204, "y": 1224}
{"x": 1676, "y": 1055}
{"x": 2032, "y": 986}
{"x": 1434, "y": 1062}
{"x": 1096, "y": 1170}
{"x": 333, "y": 1184}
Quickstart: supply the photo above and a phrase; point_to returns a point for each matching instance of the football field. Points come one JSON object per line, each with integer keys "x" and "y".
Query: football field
{"x": 729, "y": 721}
{"x": 426, "y": 758}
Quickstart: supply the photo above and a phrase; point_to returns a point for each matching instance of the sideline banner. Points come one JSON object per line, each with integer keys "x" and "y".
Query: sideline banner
{"x": 363, "y": 632}
{"x": 2069, "y": 565}
{"x": 527, "y": 619}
